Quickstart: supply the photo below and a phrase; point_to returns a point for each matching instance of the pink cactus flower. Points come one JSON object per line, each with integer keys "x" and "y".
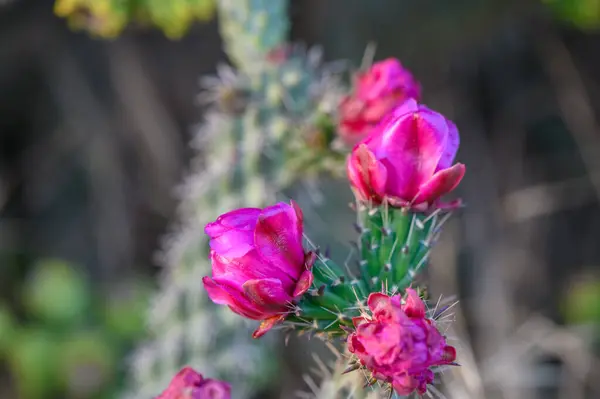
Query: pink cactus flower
{"x": 398, "y": 343}
{"x": 188, "y": 384}
{"x": 258, "y": 264}
{"x": 407, "y": 159}
{"x": 377, "y": 91}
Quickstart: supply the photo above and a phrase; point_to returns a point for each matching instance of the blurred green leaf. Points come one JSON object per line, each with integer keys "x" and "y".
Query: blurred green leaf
{"x": 87, "y": 363}
{"x": 32, "y": 360}
{"x": 56, "y": 293}
{"x": 583, "y": 13}
{"x": 124, "y": 310}
{"x": 7, "y": 329}
{"x": 582, "y": 303}
{"x": 108, "y": 18}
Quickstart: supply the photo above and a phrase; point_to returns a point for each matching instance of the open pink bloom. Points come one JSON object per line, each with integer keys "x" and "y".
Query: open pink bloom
{"x": 399, "y": 344}
{"x": 188, "y": 384}
{"x": 407, "y": 159}
{"x": 258, "y": 263}
{"x": 378, "y": 90}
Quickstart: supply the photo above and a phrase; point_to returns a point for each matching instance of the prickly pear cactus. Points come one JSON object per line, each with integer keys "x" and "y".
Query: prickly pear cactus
{"x": 266, "y": 121}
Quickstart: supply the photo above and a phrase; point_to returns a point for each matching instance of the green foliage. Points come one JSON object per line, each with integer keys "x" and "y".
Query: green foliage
{"x": 582, "y": 303}
{"x": 67, "y": 343}
{"x": 7, "y": 329}
{"x": 55, "y": 293}
{"x": 123, "y": 312}
{"x": 583, "y": 13}
{"x": 108, "y": 18}
{"x": 32, "y": 360}
{"x": 87, "y": 363}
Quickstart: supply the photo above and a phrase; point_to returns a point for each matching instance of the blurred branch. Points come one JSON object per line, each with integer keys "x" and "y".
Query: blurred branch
{"x": 519, "y": 353}
{"x": 574, "y": 102}
{"x": 87, "y": 120}
{"x": 547, "y": 198}
{"x": 153, "y": 130}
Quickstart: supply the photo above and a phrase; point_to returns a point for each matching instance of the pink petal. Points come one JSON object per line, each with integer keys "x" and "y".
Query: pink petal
{"x": 378, "y": 301}
{"x": 404, "y": 384}
{"x": 359, "y": 320}
{"x": 185, "y": 379}
{"x": 440, "y": 183}
{"x": 366, "y": 174}
{"x": 452, "y": 144}
{"x": 304, "y": 283}
{"x": 232, "y": 233}
{"x": 214, "y": 389}
{"x": 248, "y": 267}
{"x": 411, "y": 148}
{"x": 267, "y": 294}
{"x": 222, "y": 294}
{"x": 354, "y": 344}
{"x": 233, "y": 243}
{"x": 278, "y": 239}
{"x": 413, "y": 306}
{"x": 241, "y": 219}
{"x": 449, "y": 354}
{"x": 409, "y": 106}
{"x": 266, "y": 325}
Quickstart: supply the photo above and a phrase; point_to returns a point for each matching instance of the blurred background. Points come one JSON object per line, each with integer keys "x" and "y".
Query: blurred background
{"x": 95, "y": 119}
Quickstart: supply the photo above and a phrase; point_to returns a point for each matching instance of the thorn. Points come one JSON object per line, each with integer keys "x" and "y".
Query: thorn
{"x": 454, "y": 364}
{"x": 357, "y": 227}
{"x": 352, "y": 206}
{"x": 386, "y": 231}
{"x": 354, "y": 244}
{"x": 351, "y": 368}
{"x": 370, "y": 381}
{"x": 387, "y": 267}
{"x": 346, "y": 329}
{"x": 405, "y": 250}
{"x": 342, "y": 279}
{"x": 327, "y": 252}
{"x": 321, "y": 290}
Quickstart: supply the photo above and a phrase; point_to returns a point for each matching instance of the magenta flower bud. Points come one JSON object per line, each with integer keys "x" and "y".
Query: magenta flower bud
{"x": 188, "y": 384}
{"x": 407, "y": 159}
{"x": 398, "y": 343}
{"x": 377, "y": 91}
{"x": 258, "y": 263}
